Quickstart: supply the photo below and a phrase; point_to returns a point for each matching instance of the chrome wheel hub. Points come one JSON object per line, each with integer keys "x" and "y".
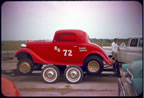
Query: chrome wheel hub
{"x": 73, "y": 74}
{"x": 50, "y": 74}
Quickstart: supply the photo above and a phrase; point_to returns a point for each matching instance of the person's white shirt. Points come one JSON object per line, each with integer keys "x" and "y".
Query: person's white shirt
{"x": 114, "y": 47}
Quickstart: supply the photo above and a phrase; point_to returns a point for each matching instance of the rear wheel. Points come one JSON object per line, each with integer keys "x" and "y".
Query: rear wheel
{"x": 93, "y": 64}
{"x": 25, "y": 66}
{"x": 73, "y": 74}
{"x": 50, "y": 74}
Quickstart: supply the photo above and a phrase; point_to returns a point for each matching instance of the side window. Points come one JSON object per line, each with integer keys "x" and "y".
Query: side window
{"x": 140, "y": 42}
{"x": 134, "y": 42}
{"x": 66, "y": 37}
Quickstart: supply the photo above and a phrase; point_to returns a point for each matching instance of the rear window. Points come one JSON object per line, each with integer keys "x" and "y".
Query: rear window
{"x": 66, "y": 37}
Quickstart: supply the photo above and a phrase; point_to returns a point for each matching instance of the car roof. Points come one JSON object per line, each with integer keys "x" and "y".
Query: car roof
{"x": 76, "y": 31}
{"x": 81, "y": 35}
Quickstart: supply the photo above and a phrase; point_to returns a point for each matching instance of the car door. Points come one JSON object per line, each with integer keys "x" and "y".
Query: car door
{"x": 122, "y": 54}
{"x": 65, "y": 50}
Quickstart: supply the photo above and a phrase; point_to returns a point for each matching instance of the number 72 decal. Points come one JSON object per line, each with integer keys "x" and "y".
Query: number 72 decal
{"x": 67, "y": 52}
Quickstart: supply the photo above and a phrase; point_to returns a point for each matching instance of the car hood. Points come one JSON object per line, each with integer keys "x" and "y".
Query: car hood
{"x": 125, "y": 66}
{"x": 136, "y": 68}
{"x": 38, "y": 43}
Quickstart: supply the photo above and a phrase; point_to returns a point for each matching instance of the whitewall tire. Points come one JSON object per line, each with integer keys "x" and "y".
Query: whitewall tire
{"x": 73, "y": 74}
{"x": 50, "y": 74}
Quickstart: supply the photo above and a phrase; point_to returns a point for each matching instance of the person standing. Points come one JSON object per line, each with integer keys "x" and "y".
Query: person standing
{"x": 115, "y": 49}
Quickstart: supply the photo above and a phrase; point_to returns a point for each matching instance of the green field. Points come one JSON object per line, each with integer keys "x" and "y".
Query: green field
{"x": 15, "y": 45}
{"x": 11, "y": 45}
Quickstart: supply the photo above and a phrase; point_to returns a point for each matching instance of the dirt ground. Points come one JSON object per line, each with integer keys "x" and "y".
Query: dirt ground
{"x": 33, "y": 85}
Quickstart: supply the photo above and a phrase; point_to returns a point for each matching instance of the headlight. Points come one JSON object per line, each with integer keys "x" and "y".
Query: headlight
{"x": 23, "y": 45}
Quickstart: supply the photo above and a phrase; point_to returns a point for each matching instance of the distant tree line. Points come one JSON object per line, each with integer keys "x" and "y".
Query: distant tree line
{"x": 107, "y": 42}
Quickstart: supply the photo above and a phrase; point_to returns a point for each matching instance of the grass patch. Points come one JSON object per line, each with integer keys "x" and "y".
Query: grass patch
{"x": 11, "y": 45}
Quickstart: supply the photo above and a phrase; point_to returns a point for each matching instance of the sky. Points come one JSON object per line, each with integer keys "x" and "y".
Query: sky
{"x": 39, "y": 20}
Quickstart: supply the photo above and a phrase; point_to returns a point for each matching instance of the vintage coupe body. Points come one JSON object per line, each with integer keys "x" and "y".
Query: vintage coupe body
{"x": 69, "y": 47}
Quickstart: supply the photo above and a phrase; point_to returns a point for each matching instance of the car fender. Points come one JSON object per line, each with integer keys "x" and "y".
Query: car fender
{"x": 35, "y": 57}
{"x": 106, "y": 59}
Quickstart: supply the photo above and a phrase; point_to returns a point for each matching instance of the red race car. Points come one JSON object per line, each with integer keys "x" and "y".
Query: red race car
{"x": 70, "y": 50}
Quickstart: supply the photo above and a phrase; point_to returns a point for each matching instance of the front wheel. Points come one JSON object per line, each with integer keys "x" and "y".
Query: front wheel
{"x": 25, "y": 66}
{"x": 50, "y": 74}
{"x": 73, "y": 74}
